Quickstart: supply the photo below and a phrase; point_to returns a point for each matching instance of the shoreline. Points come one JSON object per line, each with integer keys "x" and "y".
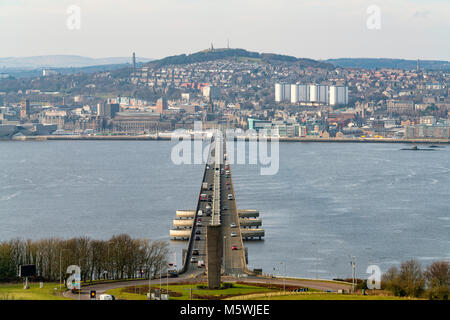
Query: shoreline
{"x": 281, "y": 139}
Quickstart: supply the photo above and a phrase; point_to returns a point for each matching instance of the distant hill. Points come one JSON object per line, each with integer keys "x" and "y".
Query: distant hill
{"x": 62, "y": 61}
{"x": 378, "y": 63}
{"x": 236, "y": 54}
{"x": 31, "y": 73}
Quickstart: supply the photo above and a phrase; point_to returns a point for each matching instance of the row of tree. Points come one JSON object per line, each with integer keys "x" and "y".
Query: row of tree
{"x": 411, "y": 281}
{"x": 120, "y": 257}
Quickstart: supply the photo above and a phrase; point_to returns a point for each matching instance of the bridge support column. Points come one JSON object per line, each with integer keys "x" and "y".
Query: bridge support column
{"x": 214, "y": 245}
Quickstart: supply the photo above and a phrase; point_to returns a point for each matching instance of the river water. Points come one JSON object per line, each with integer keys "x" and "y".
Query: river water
{"x": 327, "y": 203}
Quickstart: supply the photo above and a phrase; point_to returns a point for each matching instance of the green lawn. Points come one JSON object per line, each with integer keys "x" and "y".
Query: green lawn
{"x": 128, "y": 293}
{"x": 15, "y": 291}
{"x": 328, "y": 296}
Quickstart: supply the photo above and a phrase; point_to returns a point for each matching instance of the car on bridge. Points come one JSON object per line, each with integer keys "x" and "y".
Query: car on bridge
{"x": 234, "y": 234}
{"x": 230, "y": 196}
{"x": 233, "y": 225}
{"x": 198, "y": 232}
{"x": 234, "y": 248}
{"x": 195, "y": 252}
{"x": 197, "y": 238}
{"x": 193, "y": 259}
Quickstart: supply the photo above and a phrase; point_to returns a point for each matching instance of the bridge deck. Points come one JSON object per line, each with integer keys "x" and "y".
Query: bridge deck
{"x": 224, "y": 212}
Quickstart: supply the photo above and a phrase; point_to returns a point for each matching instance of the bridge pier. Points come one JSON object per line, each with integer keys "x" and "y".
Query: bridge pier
{"x": 214, "y": 244}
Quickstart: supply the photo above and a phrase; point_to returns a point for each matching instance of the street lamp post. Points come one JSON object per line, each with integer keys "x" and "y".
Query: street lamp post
{"x": 109, "y": 262}
{"x": 223, "y": 255}
{"x": 149, "y": 284}
{"x": 79, "y": 290}
{"x": 160, "y": 280}
{"x": 284, "y": 278}
{"x": 353, "y": 263}
{"x": 315, "y": 258}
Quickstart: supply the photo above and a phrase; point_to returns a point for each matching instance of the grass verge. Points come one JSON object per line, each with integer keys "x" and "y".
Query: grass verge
{"x": 15, "y": 291}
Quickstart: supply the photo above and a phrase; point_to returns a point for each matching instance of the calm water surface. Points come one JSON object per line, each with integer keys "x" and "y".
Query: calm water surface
{"x": 327, "y": 203}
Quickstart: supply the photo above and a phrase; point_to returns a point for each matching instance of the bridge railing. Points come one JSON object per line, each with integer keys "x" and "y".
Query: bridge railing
{"x": 242, "y": 255}
{"x": 194, "y": 226}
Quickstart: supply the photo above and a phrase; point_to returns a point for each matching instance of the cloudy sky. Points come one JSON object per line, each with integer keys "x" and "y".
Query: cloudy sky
{"x": 317, "y": 29}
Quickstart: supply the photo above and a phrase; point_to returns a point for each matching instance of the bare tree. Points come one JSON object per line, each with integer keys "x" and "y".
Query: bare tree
{"x": 437, "y": 276}
{"x": 120, "y": 257}
{"x": 411, "y": 278}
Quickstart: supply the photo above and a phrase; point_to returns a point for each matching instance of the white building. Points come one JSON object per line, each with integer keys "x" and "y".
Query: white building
{"x": 278, "y": 92}
{"x": 303, "y": 92}
{"x": 211, "y": 92}
{"x": 294, "y": 93}
{"x": 287, "y": 91}
{"x": 282, "y": 92}
{"x": 322, "y": 94}
{"x": 312, "y": 93}
{"x": 338, "y": 95}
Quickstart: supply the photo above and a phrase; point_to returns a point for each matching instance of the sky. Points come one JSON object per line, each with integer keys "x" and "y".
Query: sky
{"x": 317, "y": 29}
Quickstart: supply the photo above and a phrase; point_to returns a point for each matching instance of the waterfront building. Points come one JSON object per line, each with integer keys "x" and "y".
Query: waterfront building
{"x": 161, "y": 105}
{"x": 108, "y": 110}
{"x": 400, "y": 106}
{"x": 136, "y": 122}
{"x": 25, "y": 109}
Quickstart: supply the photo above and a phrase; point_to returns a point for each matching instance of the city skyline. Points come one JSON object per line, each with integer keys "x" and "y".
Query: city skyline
{"x": 407, "y": 29}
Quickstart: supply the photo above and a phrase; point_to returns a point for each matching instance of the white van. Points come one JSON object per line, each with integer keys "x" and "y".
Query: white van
{"x": 200, "y": 213}
{"x": 106, "y": 297}
{"x": 230, "y": 196}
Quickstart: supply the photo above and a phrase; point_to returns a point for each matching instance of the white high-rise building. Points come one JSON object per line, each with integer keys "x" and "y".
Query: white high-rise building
{"x": 303, "y": 92}
{"x": 282, "y": 92}
{"x": 287, "y": 91}
{"x": 322, "y": 94}
{"x": 338, "y": 95}
{"x": 313, "y": 93}
{"x": 294, "y": 93}
{"x": 278, "y": 92}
